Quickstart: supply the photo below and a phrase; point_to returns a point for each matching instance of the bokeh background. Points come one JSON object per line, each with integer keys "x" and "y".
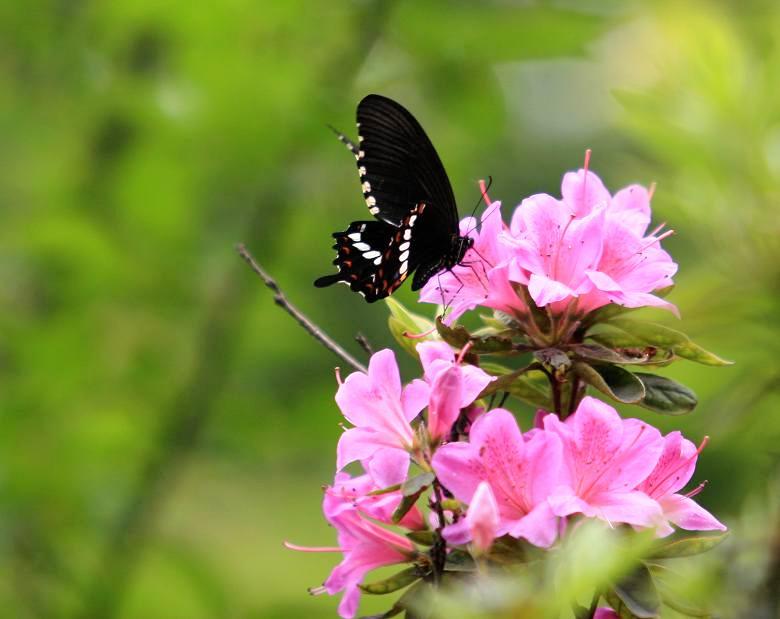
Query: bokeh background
{"x": 163, "y": 426}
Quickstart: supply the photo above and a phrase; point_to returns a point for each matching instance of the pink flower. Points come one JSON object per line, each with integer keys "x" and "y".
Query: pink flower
{"x": 366, "y": 546}
{"x": 386, "y": 468}
{"x": 673, "y": 470}
{"x": 553, "y": 249}
{"x": 482, "y": 277}
{"x": 482, "y": 518}
{"x": 453, "y": 385}
{"x": 588, "y": 245}
{"x": 606, "y": 458}
{"x": 605, "y": 613}
{"x": 380, "y": 409}
{"x": 521, "y": 474}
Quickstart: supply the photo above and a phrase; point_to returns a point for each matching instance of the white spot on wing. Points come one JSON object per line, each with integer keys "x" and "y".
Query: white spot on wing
{"x": 373, "y": 210}
{"x": 403, "y": 267}
{"x": 371, "y": 201}
{"x": 366, "y": 187}
{"x": 362, "y": 246}
{"x": 404, "y": 256}
{"x": 370, "y": 255}
{"x": 412, "y": 219}
{"x": 362, "y": 171}
{"x": 378, "y": 261}
{"x": 407, "y": 234}
{"x": 355, "y": 236}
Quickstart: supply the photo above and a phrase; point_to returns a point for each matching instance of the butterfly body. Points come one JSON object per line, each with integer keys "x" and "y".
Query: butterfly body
{"x": 408, "y": 192}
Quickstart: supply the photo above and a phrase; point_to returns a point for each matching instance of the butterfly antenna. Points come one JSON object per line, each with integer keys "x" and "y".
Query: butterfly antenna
{"x": 483, "y": 189}
{"x": 351, "y": 146}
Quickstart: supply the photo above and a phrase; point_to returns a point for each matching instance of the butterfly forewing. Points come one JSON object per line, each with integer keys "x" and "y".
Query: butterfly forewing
{"x": 400, "y": 165}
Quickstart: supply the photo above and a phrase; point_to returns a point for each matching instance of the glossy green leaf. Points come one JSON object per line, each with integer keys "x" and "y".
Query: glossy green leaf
{"x": 637, "y": 595}
{"x": 688, "y": 543}
{"x": 612, "y": 380}
{"x": 458, "y": 336}
{"x": 554, "y": 358}
{"x": 603, "y": 354}
{"x": 411, "y": 490}
{"x": 531, "y": 387}
{"x": 425, "y": 537}
{"x": 665, "y": 396}
{"x": 459, "y": 561}
{"x": 395, "y": 582}
{"x": 402, "y": 322}
{"x": 653, "y": 334}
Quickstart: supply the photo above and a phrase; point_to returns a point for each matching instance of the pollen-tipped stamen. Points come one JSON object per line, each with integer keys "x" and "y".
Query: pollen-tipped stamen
{"x": 291, "y": 546}
{"x": 483, "y": 191}
{"x": 419, "y": 336}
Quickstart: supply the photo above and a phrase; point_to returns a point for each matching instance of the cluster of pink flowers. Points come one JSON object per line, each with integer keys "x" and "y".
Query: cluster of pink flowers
{"x": 574, "y": 254}
{"x": 522, "y": 484}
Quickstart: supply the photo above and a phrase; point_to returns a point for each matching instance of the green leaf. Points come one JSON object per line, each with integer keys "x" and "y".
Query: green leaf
{"x": 458, "y": 336}
{"x": 411, "y": 490}
{"x": 558, "y": 360}
{"x": 424, "y": 537}
{"x": 509, "y": 550}
{"x": 653, "y": 334}
{"x": 502, "y": 383}
{"x": 410, "y": 599}
{"x": 401, "y": 321}
{"x": 665, "y": 396}
{"x": 625, "y": 356}
{"x": 459, "y": 561}
{"x": 398, "y": 581}
{"x": 688, "y": 543}
{"x": 531, "y": 387}
{"x": 636, "y": 594}
{"x": 616, "y": 382}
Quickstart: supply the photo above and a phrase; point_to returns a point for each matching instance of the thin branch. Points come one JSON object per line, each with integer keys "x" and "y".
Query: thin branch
{"x": 364, "y": 343}
{"x": 281, "y": 300}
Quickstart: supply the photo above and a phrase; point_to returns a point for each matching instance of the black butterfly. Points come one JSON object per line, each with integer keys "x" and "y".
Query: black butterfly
{"x": 407, "y": 190}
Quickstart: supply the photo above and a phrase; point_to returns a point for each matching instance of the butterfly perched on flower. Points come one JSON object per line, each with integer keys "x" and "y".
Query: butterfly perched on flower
{"x": 406, "y": 189}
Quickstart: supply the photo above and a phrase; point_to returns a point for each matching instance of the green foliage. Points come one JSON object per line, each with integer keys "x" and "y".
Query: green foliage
{"x": 161, "y": 417}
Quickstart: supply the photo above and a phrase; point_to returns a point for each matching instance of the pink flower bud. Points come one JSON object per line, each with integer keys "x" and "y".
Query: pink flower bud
{"x": 483, "y": 518}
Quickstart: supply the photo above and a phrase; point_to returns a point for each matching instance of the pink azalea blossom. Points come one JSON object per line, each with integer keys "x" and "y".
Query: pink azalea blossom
{"x": 482, "y": 518}
{"x": 553, "y": 250}
{"x": 673, "y": 471}
{"x": 386, "y": 468}
{"x": 380, "y": 408}
{"x": 482, "y": 278}
{"x": 605, "y": 613}
{"x": 521, "y": 475}
{"x": 366, "y": 546}
{"x": 453, "y": 385}
{"x": 588, "y": 245}
{"x": 606, "y": 458}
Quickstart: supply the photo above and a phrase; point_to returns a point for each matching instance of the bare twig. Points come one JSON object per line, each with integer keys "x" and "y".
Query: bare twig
{"x": 364, "y": 343}
{"x": 281, "y": 300}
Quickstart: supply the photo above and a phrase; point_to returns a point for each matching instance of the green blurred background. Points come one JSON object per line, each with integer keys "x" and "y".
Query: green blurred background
{"x": 164, "y": 426}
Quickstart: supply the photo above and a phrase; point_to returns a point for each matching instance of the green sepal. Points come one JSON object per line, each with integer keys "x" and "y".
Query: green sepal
{"x": 665, "y": 396}
{"x": 636, "y": 332}
{"x": 458, "y": 336}
{"x": 395, "y": 582}
{"x": 423, "y": 537}
{"x": 402, "y": 321}
{"x": 687, "y": 543}
{"x": 411, "y": 490}
{"x": 612, "y": 380}
{"x": 635, "y": 596}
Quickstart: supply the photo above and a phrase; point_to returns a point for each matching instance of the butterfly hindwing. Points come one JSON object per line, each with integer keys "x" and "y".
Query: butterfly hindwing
{"x": 373, "y": 257}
